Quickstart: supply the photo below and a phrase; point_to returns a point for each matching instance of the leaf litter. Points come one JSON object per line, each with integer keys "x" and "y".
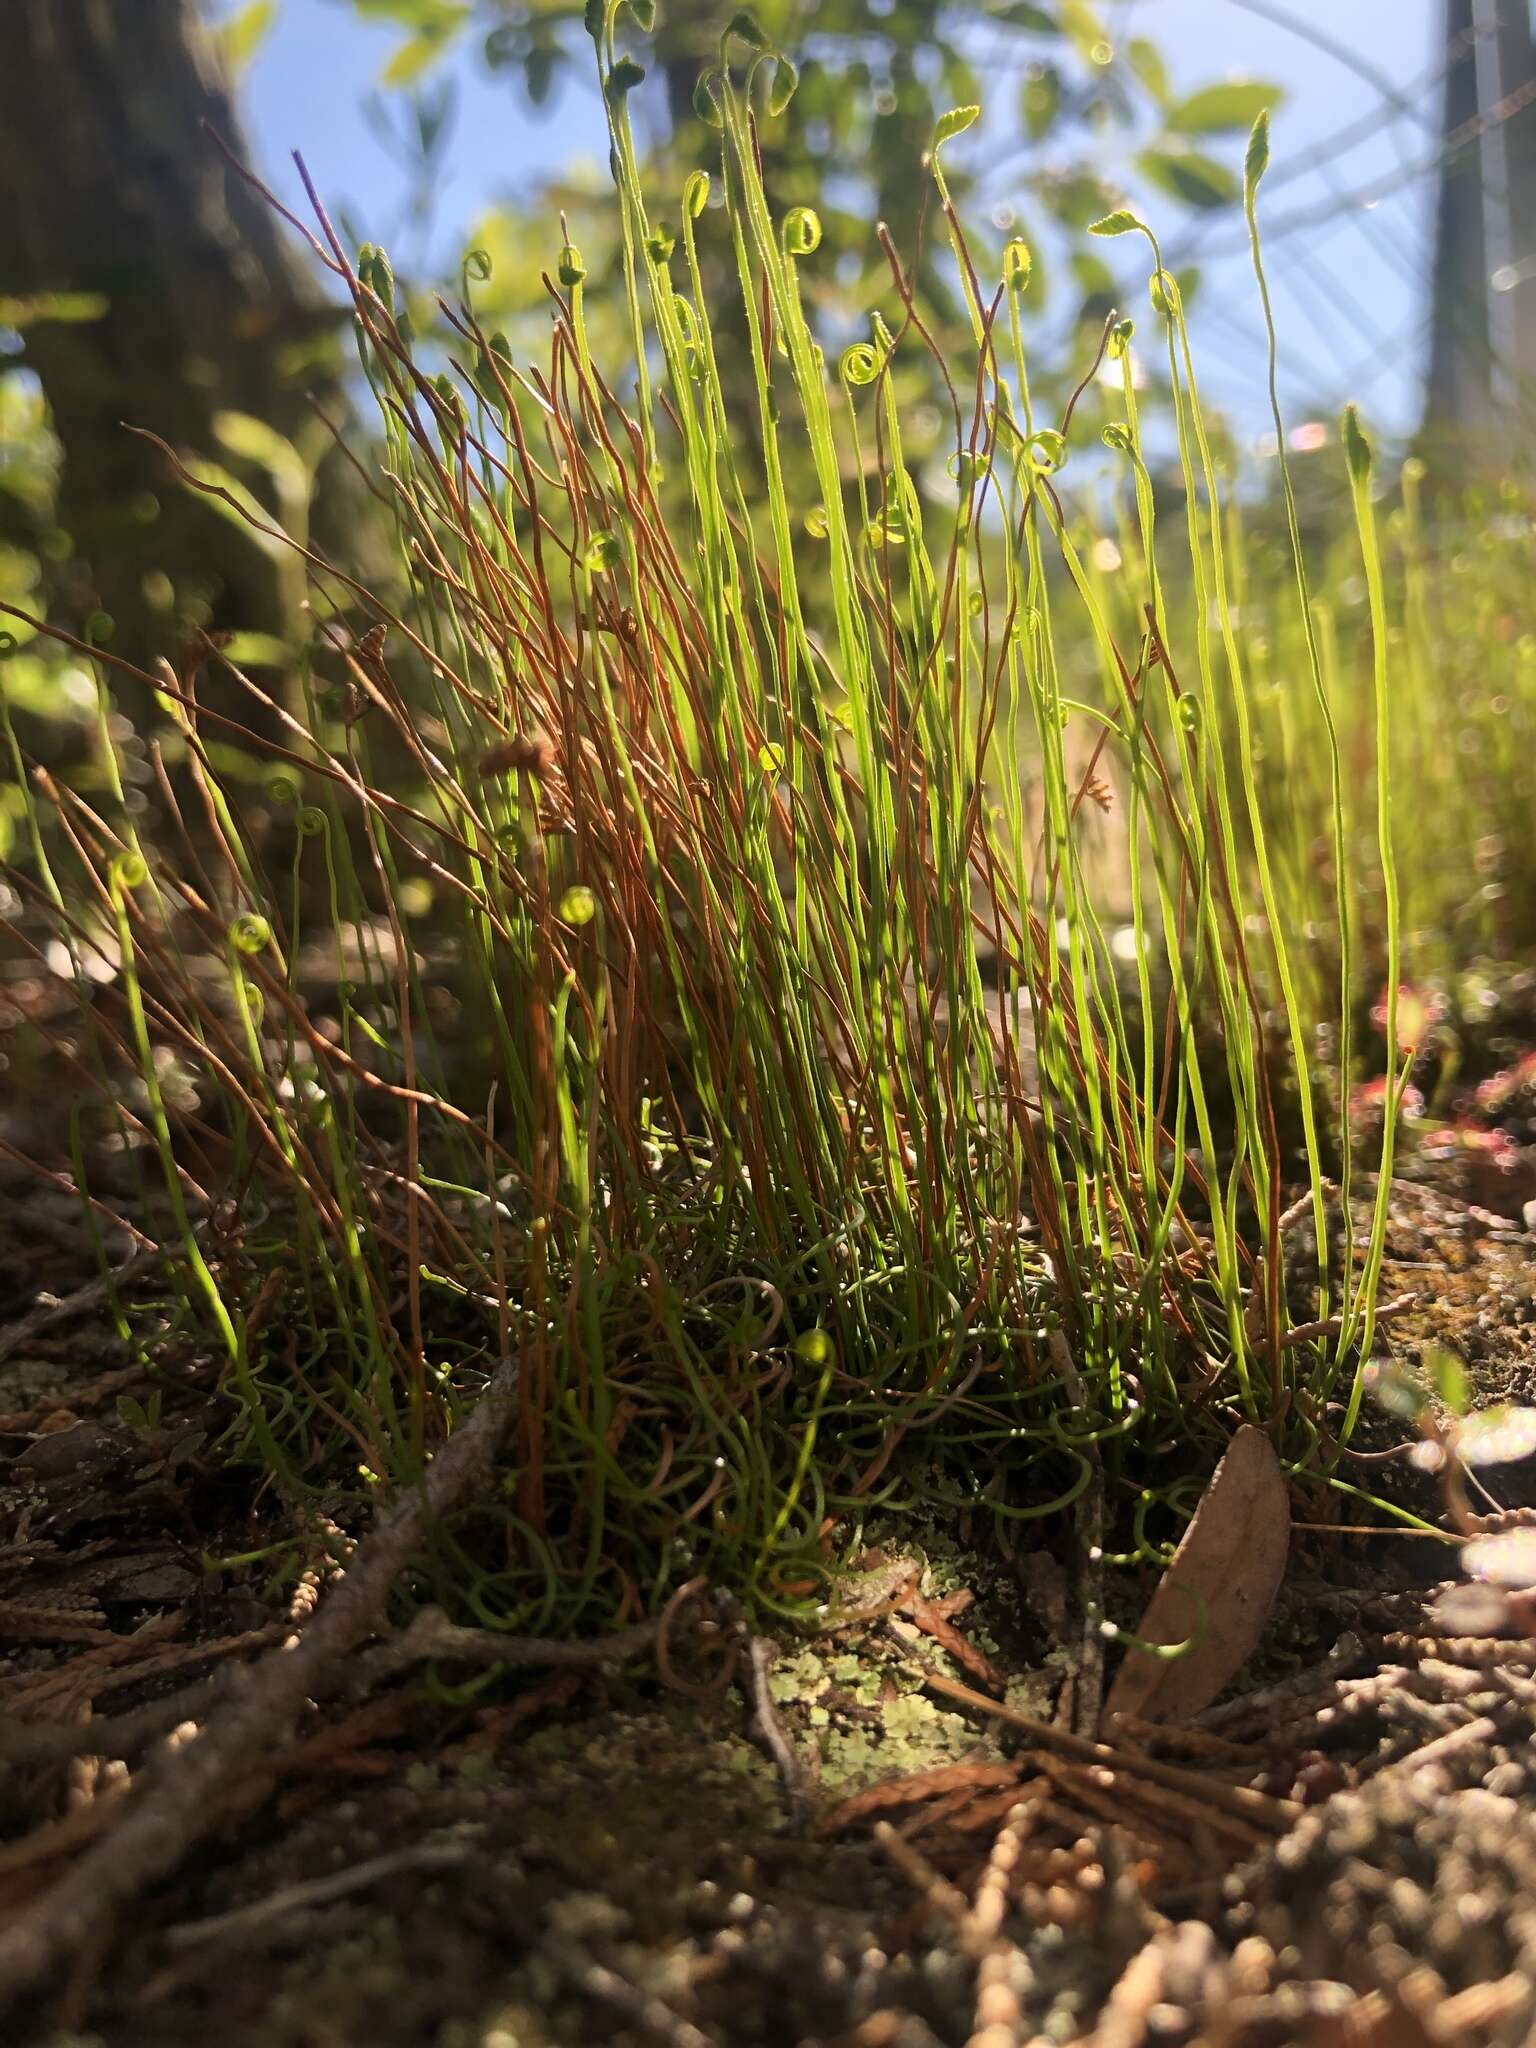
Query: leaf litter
{"x": 1080, "y": 1871}
{"x": 1209, "y": 1611}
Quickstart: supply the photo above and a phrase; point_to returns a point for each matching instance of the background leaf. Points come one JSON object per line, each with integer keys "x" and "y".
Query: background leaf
{"x": 1189, "y": 176}
{"x": 1222, "y": 109}
{"x": 1025, "y": 14}
{"x": 1040, "y": 99}
{"x": 1083, "y": 24}
{"x": 1146, "y": 61}
{"x": 244, "y": 33}
{"x": 412, "y": 58}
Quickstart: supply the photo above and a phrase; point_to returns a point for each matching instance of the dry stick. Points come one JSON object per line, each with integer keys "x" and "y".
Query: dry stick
{"x": 78, "y": 1400}
{"x": 181, "y": 1795}
{"x": 1278, "y": 1705}
{"x": 771, "y": 1728}
{"x": 1470, "y": 1735}
{"x": 122, "y": 1736}
{"x": 90, "y": 1296}
{"x": 1276, "y": 1814}
{"x": 1304, "y": 1333}
{"x": 319, "y": 1891}
{"x": 431, "y": 1636}
{"x": 938, "y": 1894}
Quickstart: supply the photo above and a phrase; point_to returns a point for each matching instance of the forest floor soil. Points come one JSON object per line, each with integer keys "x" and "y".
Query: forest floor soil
{"x": 600, "y": 1859}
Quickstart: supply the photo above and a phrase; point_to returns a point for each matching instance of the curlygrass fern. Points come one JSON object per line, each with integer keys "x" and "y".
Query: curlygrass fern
{"x": 682, "y": 940}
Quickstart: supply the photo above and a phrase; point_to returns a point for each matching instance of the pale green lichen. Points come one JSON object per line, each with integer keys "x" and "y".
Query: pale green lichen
{"x": 912, "y": 1735}
{"x": 799, "y": 1676}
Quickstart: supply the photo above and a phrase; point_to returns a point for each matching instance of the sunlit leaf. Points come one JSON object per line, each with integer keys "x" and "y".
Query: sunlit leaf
{"x": 1146, "y": 60}
{"x": 1256, "y": 156}
{"x": 746, "y": 28}
{"x": 785, "y": 79}
{"x": 1224, "y": 109}
{"x": 65, "y": 308}
{"x": 414, "y": 57}
{"x": 1450, "y": 1377}
{"x": 251, "y": 440}
{"x": 244, "y": 33}
{"x": 257, "y": 650}
{"x": 1085, "y": 26}
{"x": 955, "y": 122}
{"x": 224, "y": 493}
{"x": 1357, "y": 448}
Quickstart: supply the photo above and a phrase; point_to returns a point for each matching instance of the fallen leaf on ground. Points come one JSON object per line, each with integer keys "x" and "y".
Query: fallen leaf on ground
{"x": 1216, "y": 1593}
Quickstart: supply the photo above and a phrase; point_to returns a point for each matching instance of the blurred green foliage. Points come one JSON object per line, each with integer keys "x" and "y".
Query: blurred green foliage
{"x": 1071, "y": 111}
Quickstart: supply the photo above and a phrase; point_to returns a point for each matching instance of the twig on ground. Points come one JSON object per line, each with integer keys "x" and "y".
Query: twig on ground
{"x": 1194, "y": 1742}
{"x": 1157, "y": 1805}
{"x": 77, "y": 1400}
{"x": 79, "y": 1303}
{"x": 63, "y": 1836}
{"x": 431, "y": 1636}
{"x": 1292, "y": 1697}
{"x": 765, "y": 1717}
{"x": 319, "y": 1891}
{"x": 646, "y": 2010}
{"x": 938, "y": 1894}
{"x": 1471, "y": 1735}
{"x": 1242, "y": 1800}
{"x": 125, "y": 1736}
{"x": 928, "y": 1616}
{"x": 182, "y": 1794}
{"x": 915, "y": 1788}
{"x": 984, "y": 1922}
{"x": 1331, "y": 1326}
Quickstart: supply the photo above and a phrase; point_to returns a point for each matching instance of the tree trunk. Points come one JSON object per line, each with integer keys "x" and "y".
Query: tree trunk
{"x": 1515, "y": 279}
{"x": 114, "y": 189}
{"x": 1459, "y": 394}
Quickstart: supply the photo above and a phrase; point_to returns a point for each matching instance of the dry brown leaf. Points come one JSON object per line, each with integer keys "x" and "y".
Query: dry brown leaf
{"x": 1218, "y": 1589}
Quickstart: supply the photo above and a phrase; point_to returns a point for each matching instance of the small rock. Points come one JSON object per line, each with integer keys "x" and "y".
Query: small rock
{"x": 167, "y": 1582}
{"x": 64, "y": 1451}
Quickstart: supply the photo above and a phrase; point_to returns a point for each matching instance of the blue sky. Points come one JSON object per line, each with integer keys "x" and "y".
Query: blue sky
{"x": 1350, "y": 277}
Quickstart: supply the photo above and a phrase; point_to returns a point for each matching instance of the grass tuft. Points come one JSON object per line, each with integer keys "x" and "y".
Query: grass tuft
{"x": 837, "y": 963}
